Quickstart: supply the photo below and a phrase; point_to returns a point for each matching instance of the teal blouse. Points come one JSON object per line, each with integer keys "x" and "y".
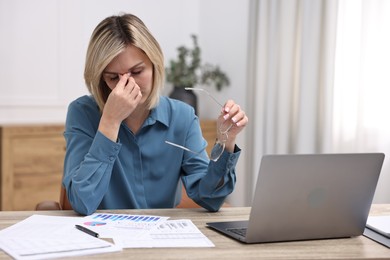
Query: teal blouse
{"x": 140, "y": 170}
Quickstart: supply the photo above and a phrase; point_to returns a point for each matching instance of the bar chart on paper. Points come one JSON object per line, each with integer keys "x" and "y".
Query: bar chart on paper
{"x": 109, "y": 225}
{"x": 122, "y": 220}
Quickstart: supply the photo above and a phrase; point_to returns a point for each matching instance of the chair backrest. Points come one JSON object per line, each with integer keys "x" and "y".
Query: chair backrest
{"x": 186, "y": 202}
{"x": 64, "y": 202}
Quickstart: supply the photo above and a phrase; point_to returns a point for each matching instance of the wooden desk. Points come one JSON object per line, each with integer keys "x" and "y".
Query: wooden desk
{"x": 226, "y": 248}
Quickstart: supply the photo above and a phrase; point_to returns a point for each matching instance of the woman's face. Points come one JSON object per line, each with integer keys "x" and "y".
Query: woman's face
{"x": 134, "y": 61}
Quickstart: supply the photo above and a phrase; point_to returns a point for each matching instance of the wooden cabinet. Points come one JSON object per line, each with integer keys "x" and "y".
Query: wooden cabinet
{"x": 209, "y": 131}
{"x": 31, "y": 159}
{"x": 31, "y": 165}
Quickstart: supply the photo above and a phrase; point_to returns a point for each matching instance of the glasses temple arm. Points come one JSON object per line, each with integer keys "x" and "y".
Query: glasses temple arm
{"x": 181, "y": 147}
{"x": 201, "y": 89}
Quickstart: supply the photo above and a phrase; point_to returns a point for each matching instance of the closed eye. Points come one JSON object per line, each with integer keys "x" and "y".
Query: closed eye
{"x": 114, "y": 78}
{"x": 136, "y": 72}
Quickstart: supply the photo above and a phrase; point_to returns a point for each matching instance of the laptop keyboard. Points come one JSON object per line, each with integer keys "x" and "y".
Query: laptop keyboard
{"x": 238, "y": 231}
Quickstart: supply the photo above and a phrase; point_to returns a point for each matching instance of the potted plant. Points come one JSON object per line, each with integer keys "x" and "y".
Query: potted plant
{"x": 188, "y": 71}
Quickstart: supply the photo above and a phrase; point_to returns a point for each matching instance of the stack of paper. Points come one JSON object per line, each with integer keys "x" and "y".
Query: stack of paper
{"x": 380, "y": 224}
{"x": 378, "y": 229}
{"x": 40, "y": 237}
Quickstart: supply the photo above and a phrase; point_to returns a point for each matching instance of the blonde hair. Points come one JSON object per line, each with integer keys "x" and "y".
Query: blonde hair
{"x": 110, "y": 38}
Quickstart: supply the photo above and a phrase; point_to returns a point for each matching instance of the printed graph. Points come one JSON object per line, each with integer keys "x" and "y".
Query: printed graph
{"x": 131, "y": 218}
{"x": 99, "y": 220}
{"x": 94, "y": 223}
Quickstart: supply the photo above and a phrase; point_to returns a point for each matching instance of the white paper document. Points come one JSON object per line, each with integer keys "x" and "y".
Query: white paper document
{"x": 145, "y": 231}
{"x": 42, "y": 237}
{"x": 176, "y": 233}
{"x": 380, "y": 224}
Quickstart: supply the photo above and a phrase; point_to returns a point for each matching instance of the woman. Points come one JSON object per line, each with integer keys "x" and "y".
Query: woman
{"x": 117, "y": 157}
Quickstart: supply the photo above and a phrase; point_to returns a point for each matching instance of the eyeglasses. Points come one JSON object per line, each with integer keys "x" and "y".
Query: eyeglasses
{"x": 222, "y": 134}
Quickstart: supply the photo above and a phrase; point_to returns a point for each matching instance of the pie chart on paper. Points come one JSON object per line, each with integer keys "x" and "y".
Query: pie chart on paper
{"x": 94, "y": 223}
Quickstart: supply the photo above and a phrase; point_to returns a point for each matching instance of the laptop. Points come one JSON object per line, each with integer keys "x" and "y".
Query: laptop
{"x": 307, "y": 197}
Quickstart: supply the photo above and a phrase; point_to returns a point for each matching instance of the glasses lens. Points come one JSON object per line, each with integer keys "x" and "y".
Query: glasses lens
{"x": 217, "y": 151}
{"x": 225, "y": 126}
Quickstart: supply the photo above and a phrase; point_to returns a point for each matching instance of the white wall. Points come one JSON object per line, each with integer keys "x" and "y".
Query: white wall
{"x": 42, "y": 49}
{"x": 43, "y": 44}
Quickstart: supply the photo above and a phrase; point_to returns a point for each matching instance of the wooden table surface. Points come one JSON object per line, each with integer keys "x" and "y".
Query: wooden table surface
{"x": 226, "y": 248}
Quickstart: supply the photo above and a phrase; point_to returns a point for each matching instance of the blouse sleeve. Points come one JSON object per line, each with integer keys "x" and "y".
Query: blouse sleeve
{"x": 207, "y": 182}
{"x": 88, "y": 161}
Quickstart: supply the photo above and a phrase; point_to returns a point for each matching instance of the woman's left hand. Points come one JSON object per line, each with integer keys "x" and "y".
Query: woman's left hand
{"x": 232, "y": 117}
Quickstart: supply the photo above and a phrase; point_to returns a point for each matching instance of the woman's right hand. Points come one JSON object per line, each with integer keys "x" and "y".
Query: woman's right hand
{"x": 122, "y": 101}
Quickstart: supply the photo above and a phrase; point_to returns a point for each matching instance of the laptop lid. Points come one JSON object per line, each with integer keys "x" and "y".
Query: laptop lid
{"x": 313, "y": 196}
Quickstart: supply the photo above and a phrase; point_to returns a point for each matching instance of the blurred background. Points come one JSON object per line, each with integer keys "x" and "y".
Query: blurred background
{"x": 312, "y": 75}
